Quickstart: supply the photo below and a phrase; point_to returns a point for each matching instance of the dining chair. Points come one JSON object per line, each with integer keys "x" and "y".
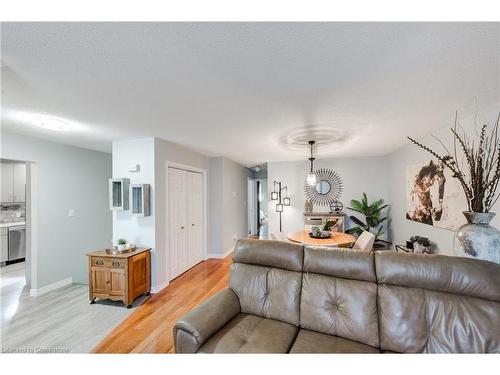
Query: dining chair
{"x": 365, "y": 241}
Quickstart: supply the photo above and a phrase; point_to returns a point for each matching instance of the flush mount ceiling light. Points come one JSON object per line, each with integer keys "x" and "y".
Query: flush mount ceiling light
{"x": 54, "y": 124}
{"x": 327, "y": 139}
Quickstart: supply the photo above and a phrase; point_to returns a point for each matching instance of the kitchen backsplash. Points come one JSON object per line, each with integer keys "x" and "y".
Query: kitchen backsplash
{"x": 12, "y": 212}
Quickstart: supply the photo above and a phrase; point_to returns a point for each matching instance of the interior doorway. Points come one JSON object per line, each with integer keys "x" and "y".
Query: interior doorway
{"x": 15, "y": 204}
{"x": 262, "y": 203}
{"x": 252, "y": 207}
{"x": 257, "y": 194}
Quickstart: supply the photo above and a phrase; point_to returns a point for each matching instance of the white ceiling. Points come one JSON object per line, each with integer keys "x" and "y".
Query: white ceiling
{"x": 245, "y": 90}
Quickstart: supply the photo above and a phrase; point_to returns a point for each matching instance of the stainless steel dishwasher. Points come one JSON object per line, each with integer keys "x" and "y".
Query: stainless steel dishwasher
{"x": 17, "y": 242}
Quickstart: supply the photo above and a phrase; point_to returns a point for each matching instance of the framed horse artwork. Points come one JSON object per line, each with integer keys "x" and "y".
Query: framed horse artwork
{"x": 433, "y": 197}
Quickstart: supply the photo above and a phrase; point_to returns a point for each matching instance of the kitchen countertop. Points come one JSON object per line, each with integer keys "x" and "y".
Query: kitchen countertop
{"x": 6, "y": 225}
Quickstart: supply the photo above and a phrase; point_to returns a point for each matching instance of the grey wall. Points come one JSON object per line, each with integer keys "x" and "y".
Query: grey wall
{"x": 227, "y": 208}
{"x": 380, "y": 177}
{"x": 401, "y": 228}
{"x": 67, "y": 177}
{"x": 369, "y": 175}
{"x": 137, "y": 230}
{"x": 226, "y": 214}
{"x": 234, "y": 194}
{"x": 215, "y": 206}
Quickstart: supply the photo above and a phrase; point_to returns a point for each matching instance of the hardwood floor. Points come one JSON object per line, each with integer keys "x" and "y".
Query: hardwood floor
{"x": 149, "y": 328}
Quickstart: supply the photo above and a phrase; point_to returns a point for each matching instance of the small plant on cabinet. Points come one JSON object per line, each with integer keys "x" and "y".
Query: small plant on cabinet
{"x": 122, "y": 243}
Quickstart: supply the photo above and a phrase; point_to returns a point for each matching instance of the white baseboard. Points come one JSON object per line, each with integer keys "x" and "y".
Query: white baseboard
{"x": 220, "y": 256}
{"x": 156, "y": 289}
{"x": 49, "y": 288}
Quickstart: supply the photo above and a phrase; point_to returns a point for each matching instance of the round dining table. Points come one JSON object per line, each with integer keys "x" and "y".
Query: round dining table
{"x": 337, "y": 239}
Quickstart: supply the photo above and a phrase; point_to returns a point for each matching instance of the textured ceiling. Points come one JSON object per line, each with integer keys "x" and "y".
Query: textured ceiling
{"x": 241, "y": 90}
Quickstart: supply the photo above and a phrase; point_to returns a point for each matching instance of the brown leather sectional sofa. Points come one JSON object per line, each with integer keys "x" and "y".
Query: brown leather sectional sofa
{"x": 284, "y": 298}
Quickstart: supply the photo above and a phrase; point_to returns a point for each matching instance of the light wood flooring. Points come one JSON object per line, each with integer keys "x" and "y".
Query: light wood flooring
{"x": 149, "y": 328}
{"x": 62, "y": 320}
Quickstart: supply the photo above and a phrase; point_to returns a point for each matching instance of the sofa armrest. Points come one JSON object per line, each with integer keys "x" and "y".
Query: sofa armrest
{"x": 197, "y": 326}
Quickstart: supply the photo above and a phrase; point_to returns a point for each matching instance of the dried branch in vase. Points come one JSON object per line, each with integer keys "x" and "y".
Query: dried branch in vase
{"x": 478, "y": 171}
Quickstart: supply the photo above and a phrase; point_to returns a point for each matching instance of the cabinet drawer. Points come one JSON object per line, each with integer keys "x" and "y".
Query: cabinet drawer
{"x": 109, "y": 262}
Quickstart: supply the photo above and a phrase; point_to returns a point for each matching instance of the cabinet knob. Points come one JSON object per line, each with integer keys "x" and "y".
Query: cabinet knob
{"x": 192, "y": 225}
{"x": 116, "y": 264}
{"x": 182, "y": 227}
{"x": 99, "y": 262}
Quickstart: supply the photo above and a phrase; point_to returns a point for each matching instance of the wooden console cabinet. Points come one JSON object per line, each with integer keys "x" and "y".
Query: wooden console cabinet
{"x": 121, "y": 277}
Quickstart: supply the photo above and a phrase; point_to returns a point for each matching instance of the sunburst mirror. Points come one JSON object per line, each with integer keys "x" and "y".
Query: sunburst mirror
{"x": 327, "y": 190}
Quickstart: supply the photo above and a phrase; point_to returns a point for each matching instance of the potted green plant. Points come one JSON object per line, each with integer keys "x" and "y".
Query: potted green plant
{"x": 122, "y": 244}
{"x": 475, "y": 163}
{"x": 374, "y": 219}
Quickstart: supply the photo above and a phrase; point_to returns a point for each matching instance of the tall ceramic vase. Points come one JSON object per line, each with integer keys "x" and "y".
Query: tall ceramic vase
{"x": 478, "y": 239}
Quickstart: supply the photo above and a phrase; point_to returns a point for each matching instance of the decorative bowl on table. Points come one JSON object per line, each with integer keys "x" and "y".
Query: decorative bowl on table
{"x": 316, "y": 232}
{"x": 323, "y": 235}
{"x": 120, "y": 249}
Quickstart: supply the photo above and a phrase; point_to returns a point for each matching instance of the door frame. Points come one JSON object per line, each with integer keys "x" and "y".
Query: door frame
{"x": 189, "y": 168}
{"x": 31, "y": 223}
{"x": 252, "y": 198}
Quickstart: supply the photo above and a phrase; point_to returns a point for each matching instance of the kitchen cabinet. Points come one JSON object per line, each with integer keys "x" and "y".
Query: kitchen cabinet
{"x": 19, "y": 184}
{"x": 13, "y": 182}
{"x": 7, "y": 182}
{"x": 122, "y": 277}
{"x": 4, "y": 245}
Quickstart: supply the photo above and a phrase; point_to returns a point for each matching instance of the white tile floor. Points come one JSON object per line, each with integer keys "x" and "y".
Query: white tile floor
{"x": 61, "y": 321}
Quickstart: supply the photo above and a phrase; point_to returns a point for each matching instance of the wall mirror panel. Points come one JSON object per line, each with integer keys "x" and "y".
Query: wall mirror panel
{"x": 327, "y": 190}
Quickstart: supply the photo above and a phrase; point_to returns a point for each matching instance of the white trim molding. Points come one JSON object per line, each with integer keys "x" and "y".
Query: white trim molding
{"x": 157, "y": 289}
{"x": 220, "y": 256}
{"x": 51, "y": 287}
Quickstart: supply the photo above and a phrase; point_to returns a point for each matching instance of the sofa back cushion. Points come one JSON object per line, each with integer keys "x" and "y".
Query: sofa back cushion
{"x": 266, "y": 276}
{"x": 339, "y": 294}
{"x": 278, "y": 254}
{"x": 438, "y": 304}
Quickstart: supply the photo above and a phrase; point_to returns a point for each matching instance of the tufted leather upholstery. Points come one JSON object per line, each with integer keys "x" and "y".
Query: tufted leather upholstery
{"x": 314, "y": 342}
{"x": 284, "y": 298}
{"x": 252, "y": 334}
{"x": 268, "y": 292}
{"x": 438, "y": 304}
{"x": 347, "y": 264}
{"x": 278, "y": 254}
{"x": 340, "y": 307}
{"x": 464, "y": 276}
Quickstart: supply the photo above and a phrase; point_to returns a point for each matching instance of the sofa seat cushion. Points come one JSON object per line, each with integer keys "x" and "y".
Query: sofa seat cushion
{"x": 315, "y": 342}
{"x": 251, "y": 334}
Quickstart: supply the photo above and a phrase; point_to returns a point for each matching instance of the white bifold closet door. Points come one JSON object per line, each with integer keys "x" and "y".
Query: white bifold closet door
{"x": 185, "y": 220}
